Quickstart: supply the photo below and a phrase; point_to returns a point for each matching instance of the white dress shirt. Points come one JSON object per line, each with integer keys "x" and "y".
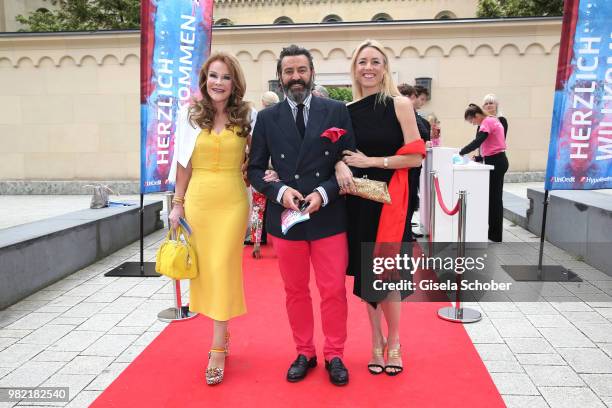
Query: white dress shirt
{"x": 294, "y": 110}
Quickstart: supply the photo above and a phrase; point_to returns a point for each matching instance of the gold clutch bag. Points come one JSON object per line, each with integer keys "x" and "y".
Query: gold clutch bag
{"x": 371, "y": 190}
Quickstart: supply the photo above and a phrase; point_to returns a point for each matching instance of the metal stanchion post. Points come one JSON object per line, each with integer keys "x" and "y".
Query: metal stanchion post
{"x": 459, "y": 314}
{"x": 432, "y": 210}
{"x": 178, "y": 312}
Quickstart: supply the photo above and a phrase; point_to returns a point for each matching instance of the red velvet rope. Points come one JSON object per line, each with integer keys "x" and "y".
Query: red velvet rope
{"x": 442, "y": 205}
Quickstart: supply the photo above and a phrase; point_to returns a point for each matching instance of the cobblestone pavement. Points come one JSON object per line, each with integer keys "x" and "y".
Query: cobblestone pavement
{"x": 82, "y": 331}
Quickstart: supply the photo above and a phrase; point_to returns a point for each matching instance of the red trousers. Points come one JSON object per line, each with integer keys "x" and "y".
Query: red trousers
{"x": 329, "y": 257}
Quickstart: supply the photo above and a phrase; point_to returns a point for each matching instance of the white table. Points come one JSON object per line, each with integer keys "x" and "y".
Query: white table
{"x": 473, "y": 178}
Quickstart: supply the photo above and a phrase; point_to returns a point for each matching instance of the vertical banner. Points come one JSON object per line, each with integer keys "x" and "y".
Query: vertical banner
{"x": 175, "y": 42}
{"x": 580, "y": 151}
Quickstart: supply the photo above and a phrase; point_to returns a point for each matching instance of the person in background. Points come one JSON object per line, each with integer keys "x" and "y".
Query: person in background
{"x": 257, "y": 218}
{"x": 490, "y": 105}
{"x": 268, "y": 99}
{"x": 490, "y": 138}
{"x": 320, "y": 91}
{"x": 418, "y": 97}
{"x": 435, "y": 130}
{"x": 422, "y": 97}
{"x": 388, "y": 144}
{"x": 406, "y": 90}
{"x": 418, "y": 102}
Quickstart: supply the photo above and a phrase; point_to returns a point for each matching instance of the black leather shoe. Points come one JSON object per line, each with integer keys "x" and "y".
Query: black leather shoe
{"x": 338, "y": 374}
{"x": 299, "y": 368}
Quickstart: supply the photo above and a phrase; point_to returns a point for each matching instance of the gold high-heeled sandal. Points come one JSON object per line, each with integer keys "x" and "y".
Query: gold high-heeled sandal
{"x": 394, "y": 353}
{"x": 374, "y": 368}
{"x": 227, "y": 343}
{"x": 214, "y": 375}
{"x": 377, "y": 352}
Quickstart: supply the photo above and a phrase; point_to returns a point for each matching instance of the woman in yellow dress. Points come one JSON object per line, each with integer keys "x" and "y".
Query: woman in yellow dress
{"x": 210, "y": 192}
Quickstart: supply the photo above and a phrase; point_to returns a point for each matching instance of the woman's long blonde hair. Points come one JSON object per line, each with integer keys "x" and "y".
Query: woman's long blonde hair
{"x": 388, "y": 87}
{"x": 202, "y": 112}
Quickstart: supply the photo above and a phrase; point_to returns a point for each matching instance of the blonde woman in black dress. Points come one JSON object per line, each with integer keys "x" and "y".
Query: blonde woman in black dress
{"x": 388, "y": 141}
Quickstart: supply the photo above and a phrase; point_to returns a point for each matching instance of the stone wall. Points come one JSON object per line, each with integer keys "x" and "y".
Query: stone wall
{"x": 69, "y": 105}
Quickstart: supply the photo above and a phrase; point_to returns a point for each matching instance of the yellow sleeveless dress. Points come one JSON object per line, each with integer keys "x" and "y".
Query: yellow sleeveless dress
{"x": 217, "y": 207}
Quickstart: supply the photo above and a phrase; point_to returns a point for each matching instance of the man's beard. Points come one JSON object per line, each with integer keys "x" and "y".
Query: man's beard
{"x": 297, "y": 96}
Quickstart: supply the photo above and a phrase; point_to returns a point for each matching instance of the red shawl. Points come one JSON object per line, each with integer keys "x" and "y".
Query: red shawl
{"x": 393, "y": 216}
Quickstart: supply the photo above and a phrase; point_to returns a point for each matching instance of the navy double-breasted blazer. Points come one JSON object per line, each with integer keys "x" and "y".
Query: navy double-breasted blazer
{"x": 301, "y": 164}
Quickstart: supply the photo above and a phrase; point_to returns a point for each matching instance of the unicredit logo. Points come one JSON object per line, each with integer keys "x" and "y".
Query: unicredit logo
{"x": 554, "y": 179}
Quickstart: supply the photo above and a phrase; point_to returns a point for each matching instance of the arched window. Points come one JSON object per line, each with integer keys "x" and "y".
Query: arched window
{"x": 224, "y": 22}
{"x": 332, "y": 18}
{"x": 283, "y": 20}
{"x": 382, "y": 17}
{"x": 42, "y": 10}
{"x": 445, "y": 15}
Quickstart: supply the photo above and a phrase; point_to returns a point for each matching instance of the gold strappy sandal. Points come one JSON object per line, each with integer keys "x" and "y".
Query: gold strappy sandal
{"x": 377, "y": 352}
{"x": 394, "y": 353}
{"x": 227, "y": 343}
{"x": 214, "y": 375}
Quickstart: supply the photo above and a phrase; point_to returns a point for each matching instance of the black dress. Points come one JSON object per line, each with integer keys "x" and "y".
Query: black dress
{"x": 414, "y": 178}
{"x": 378, "y": 133}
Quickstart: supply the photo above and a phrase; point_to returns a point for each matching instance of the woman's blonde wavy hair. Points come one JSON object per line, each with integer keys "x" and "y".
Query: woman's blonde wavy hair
{"x": 388, "y": 87}
{"x": 202, "y": 112}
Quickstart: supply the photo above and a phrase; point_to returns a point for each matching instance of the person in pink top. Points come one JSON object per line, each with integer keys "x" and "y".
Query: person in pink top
{"x": 492, "y": 142}
{"x": 435, "y": 134}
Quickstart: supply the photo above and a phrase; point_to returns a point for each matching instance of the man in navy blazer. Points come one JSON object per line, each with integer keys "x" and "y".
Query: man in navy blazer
{"x": 290, "y": 134}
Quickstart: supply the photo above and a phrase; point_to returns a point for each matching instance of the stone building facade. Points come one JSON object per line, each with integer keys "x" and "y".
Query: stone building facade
{"x": 69, "y": 106}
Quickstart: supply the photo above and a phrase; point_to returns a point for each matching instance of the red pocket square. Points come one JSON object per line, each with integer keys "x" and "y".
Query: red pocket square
{"x": 333, "y": 134}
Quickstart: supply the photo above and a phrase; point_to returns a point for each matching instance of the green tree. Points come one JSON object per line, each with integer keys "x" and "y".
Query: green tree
{"x": 84, "y": 15}
{"x": 341, "y": 94}
{"x": 519, "y": 8}
{"x": 490, "y": 9}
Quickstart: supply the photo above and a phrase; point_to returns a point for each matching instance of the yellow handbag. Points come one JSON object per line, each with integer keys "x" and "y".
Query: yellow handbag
{"x": 176, "y": 258}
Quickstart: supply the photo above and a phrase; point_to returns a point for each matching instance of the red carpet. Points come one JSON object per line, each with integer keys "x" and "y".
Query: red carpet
{"x": 442, "y": 368}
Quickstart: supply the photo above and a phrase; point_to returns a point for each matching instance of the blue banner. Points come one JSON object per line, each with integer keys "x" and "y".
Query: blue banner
{"x": 175, "y": 42}
{"x": 580, "y": 151}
